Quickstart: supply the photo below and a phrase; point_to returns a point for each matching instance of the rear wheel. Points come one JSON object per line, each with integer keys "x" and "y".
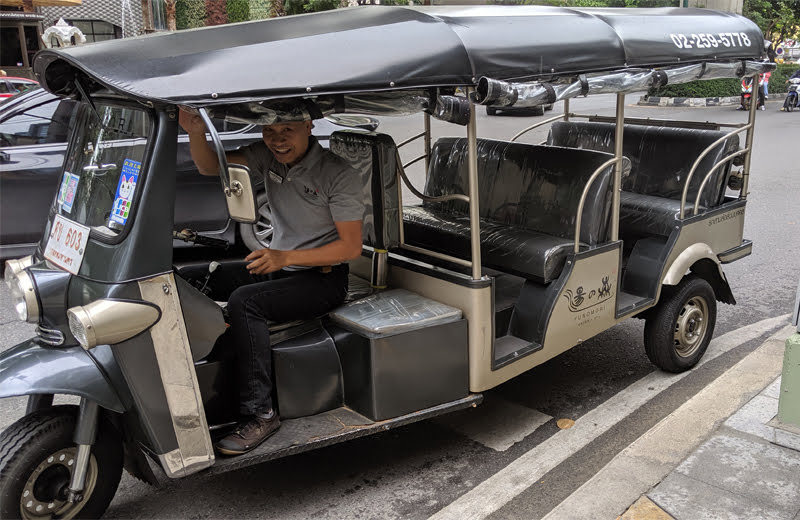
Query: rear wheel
{"x": 490, "y": 111}
{"x": 788, "y": 103}
{"x": 37, "y": 459}
{"x": 538, "y": 110}
{"x": 679, "y": 329}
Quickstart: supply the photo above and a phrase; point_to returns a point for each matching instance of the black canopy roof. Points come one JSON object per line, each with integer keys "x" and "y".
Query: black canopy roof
{"x": 383, "y": 48}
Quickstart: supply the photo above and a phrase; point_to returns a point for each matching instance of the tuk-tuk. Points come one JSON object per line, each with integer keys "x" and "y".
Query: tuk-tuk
{"x": 516, "y": 253}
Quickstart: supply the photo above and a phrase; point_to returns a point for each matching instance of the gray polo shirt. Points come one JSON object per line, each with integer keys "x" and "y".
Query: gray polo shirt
{"x": 308, "y": 198}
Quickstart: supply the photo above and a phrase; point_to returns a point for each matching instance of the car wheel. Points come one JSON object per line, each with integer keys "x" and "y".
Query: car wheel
{"x": 538, "y": 110}
{"x": 490, "y": 111}
{"x": 548, "y": 107}
{"x": 679, "y": 329}
{"x": 37, "y": 459}
{"x": 258, "y": 235}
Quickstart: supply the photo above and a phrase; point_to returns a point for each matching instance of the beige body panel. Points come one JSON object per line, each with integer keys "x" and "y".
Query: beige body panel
{"x": 704, "y": 238}
{"x": 177, "y": 373}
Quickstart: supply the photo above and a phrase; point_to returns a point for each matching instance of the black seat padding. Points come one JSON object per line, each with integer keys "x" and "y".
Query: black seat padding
{"x": 661, "y": 158}
{"x": 374, "y": 157}
{"x": 529, "y": 196}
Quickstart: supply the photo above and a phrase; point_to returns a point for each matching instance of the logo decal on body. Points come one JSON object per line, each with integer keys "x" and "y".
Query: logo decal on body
{"x": 580, "y": 299}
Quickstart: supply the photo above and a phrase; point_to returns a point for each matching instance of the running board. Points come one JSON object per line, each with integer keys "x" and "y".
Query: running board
{"x": 628, "y": 303}
{"x": 508, "y": 349}
{"x": 325, "y": 429}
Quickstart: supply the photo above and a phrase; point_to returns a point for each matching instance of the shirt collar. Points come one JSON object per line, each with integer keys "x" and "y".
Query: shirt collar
{"x": 310, "y": 159}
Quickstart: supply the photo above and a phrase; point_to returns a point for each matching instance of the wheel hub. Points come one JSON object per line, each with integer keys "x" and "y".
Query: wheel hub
{"x": 45, "y": 491}
{"x": 690, "y": 328}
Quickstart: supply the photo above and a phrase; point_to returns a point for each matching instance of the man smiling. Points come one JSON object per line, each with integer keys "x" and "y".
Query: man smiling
{"x": 316, "y": 202}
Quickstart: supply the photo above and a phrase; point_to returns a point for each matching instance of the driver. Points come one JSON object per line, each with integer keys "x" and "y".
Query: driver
{"x": 317, "y": 206}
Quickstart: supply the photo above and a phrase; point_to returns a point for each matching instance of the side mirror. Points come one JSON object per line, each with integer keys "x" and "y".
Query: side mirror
{"x": 240, "y": 195}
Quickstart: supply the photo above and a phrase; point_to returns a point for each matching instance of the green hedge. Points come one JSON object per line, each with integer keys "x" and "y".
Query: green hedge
{"x": 723, "y": 87}
{"x": 190, "y": 14}
{"x": 238, "y": 10}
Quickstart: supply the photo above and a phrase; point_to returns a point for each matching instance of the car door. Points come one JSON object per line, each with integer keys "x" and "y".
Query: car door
{"x": 33, "y": 139}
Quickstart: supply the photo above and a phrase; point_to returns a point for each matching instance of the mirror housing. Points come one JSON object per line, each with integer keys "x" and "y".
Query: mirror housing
{"x": 239, "y": 195}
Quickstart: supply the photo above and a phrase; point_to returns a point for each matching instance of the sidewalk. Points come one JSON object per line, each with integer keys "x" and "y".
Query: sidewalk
{"x": 718, "y": 456}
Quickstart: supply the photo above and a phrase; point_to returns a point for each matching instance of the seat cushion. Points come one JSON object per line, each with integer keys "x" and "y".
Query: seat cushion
{"x": 510, "y": 249}
{"x": 646, "y": 214}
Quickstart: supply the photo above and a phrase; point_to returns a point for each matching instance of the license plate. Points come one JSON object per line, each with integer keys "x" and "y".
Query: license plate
{"x": 67, "y": 244}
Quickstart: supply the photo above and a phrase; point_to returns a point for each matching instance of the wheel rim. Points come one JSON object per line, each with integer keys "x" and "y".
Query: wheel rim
{"x": 45, "y": 491}
{"x": 262, "y": 229}
{"x": 691, "y": 326}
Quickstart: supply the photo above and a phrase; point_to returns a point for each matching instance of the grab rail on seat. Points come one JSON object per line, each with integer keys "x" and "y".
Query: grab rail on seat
{"x": 540, "y": 123}
{"x": 700, "y": 158}
{"x": 711, "y": 171}
{"x": 579, "y": 215}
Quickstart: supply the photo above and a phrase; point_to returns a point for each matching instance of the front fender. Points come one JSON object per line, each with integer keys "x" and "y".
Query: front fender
{"x": 30, "y": 368}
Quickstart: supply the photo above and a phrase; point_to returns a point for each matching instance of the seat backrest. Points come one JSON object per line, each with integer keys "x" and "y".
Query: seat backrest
{"x": 661, "y": 157}
{"x": 532, "y": 186}
{"x": 374, "y": 156}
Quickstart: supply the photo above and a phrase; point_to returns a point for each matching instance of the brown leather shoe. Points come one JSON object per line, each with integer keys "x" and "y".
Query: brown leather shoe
{"x": 248, "y": 435}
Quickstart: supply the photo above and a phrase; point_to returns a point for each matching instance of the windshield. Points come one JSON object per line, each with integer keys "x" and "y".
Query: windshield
{"x": 103, "y": 165}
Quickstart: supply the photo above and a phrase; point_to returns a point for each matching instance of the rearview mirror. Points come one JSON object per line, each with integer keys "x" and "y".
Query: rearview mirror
{"x": 240, "y": 196}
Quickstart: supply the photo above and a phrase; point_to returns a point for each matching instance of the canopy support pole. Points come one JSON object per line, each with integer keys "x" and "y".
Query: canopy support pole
{"x": 474, "y": 219}
{"x": 427, "y": 141}
{"x": 751, "y": 121}
{"x": 566, "y": 110}
{"x": 620, "y": 127}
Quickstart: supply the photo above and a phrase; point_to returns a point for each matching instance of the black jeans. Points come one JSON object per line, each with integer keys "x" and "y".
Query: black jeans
{"x": 284, "y": 296}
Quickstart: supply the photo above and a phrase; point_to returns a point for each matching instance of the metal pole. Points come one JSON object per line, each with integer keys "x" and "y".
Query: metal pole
{"x": 751, "y": 119}
{"x": 474, "y": 221}
{"x": 618, "y": 170}
{"x": 427, "y": 143}
{"x": 566, "y": 110}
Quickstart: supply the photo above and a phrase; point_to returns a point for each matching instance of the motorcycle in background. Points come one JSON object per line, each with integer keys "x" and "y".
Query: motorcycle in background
{"x": 792, "y": 100}
{"x": 747, "y": 92}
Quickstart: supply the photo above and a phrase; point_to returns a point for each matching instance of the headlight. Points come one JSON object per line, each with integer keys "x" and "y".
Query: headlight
{"x": 23, "y": 297}
{"x": 16, "y": 266}
{"x": 110, "y": 321}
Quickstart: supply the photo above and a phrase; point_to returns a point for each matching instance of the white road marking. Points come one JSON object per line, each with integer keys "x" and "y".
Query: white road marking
{"x": 503, "y": 486}
{"x": 497, "y": 424}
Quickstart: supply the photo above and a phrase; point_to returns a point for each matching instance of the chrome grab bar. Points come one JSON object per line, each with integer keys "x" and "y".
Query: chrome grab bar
{"x": 579, "y": 216}
{"x": 540, "y": 123}
{"x": 711, "y": 171}
{"x": 696, "y": 164}
{"x": 426, "y": 198}
{"x": 416, "y": 159}
{"x": 411, "y": 139}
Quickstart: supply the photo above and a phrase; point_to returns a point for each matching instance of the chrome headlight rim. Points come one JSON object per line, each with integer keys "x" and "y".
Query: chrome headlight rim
{"x": 77, "y": 316}
{"x": 16, "y": 266}
{"x": 23, "y": 288}
{"x": 111, "y": 321}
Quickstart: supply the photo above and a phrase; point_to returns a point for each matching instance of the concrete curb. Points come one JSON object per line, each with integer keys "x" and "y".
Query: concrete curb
{"x": 653, "y": 101}
{"x": 643, "y": 464}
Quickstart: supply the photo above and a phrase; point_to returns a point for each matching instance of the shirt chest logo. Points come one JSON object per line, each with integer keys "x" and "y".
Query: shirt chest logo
{"x": 311, "y": 192}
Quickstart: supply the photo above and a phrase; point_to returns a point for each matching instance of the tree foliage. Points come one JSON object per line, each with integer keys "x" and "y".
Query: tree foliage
{"x": 777, "y": 19}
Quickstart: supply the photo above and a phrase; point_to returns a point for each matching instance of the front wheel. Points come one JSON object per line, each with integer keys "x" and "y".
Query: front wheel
{"x": 37, "y": 459}
{"x": 679, "y": 329}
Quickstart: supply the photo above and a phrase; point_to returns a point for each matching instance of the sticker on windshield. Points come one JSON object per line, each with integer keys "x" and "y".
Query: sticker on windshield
{"x": 66, "y": 195}
{"x": 125, "y": 190}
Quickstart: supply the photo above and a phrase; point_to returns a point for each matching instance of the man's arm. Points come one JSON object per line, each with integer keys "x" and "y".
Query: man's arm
{"x": 203, "y": 154}
{"x": 346, "y": 247}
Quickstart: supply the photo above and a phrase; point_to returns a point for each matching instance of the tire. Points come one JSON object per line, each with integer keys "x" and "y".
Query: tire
{"x": 258, "y": 235}
{"x": 538, "y": 110}
{"x": 789, "y": 103}
{"x": 678, "y": 330}
{"x": 490, "y": 111}
{"x": 35, "y": 455}
{"x": 548, "y": 107}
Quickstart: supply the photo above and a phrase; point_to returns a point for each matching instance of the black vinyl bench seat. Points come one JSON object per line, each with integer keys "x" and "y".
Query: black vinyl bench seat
{"x": 661, "y": 158}
{"x": 529, "y": 196}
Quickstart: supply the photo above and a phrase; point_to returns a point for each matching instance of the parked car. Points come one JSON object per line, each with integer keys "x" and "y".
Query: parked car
{"x": 34, "y": 127}
{"x": 10, "y": 86}
{"x": 531, "y": 111}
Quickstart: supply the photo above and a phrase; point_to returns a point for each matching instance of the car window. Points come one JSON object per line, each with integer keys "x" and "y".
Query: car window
{"x": 45, "y": 123}
{"x": 22, "y": 86}
{"x": 4, "y": 88}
